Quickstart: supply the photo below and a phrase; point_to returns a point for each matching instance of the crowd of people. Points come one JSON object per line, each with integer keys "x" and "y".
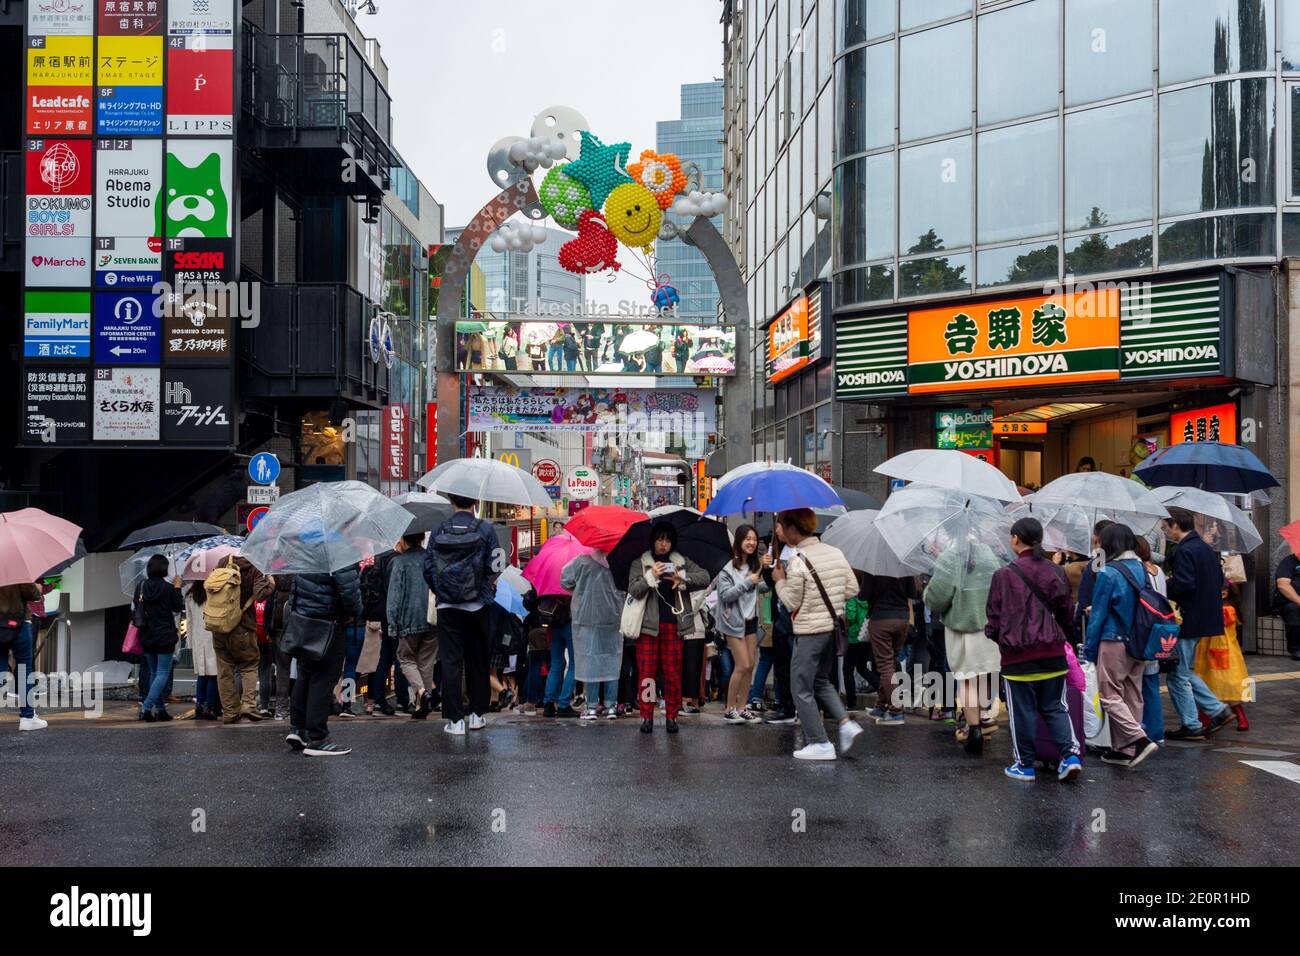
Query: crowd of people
{"x": 421, "y": 630}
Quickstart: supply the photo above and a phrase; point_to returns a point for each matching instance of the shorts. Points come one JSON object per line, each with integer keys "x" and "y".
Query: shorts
{"x": 751, "y": 626}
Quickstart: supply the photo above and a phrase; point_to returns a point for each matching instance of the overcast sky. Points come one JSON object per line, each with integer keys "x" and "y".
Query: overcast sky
{"x": 464, "y": 73}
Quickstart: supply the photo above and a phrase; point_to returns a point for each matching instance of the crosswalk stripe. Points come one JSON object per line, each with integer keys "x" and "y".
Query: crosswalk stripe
{"x": 1280, "y": 768}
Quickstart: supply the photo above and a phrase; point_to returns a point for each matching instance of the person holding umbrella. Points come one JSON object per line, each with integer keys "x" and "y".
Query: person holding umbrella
{"x": 16, "y": 637}
{"x": 160, "y": 601}
{"x": 664, "y": 578}
{"x": 739, "y": 585}
{"x": 407, "y": 613}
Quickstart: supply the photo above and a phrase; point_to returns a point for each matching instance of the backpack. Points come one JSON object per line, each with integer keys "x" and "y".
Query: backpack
{"x": 1154, "y": 634}
{"x": 222, "y": 611}
{"x": 455, "y": 561}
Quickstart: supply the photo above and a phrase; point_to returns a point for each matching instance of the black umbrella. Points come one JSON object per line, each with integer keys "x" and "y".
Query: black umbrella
{"x": 62, "y": 566}
{"x": 170, "y": 532}
{"x": 703, "y": 540}
{"x": 429, "y": 510}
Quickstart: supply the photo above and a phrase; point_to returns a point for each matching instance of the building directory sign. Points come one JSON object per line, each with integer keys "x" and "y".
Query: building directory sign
{"x": 128, "y": 112}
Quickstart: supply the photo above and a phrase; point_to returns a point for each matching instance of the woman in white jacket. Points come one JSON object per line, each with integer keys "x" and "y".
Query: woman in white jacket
{"x": 807, "y": 562}
{"x": 207, "y": 701}
{"x": 738, "y": 585}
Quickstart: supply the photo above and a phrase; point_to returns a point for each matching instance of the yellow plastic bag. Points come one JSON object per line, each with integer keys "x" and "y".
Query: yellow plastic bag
{"x": 1220, "y": 664}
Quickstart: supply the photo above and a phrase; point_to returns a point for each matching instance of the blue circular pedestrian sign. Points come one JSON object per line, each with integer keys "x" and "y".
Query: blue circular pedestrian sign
{"x": 264, "y": 468}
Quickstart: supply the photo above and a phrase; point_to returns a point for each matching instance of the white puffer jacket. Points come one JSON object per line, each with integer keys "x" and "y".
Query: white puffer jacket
{"x": 799, "y": 591}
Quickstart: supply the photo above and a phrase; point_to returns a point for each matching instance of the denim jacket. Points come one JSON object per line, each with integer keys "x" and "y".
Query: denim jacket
{"x": 1114, "y": 602}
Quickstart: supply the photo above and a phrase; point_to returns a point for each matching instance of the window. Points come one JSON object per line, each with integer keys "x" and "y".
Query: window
{"x": 1215, "y": 147}
{"x": 864, "y": 20}
{"x": 1108, "y": 165}
{"x": 1108, "y": 252}
{"x": 1018, "y": 174}
{"x": 1200, "y": 38}
{"x": 864, "y": 284}
{"x": 934, "y": 196}
{"x": 865, "y": 191}
{"x": 865, "y": 92}
{"x": 934, "y": 276}
{"x": 808, "y": 46}
{"x": 1036, "y": 262}
{"x": 1290, "y": 37}
{"x": 1293, "y": 93}
{"x": 1018, "y": 61}
{"x": 1107, "y": 49}
{"x": 917, "y": 12}
{"x": 825, "y": 39}
{"x": 1224, "y": 237}
{"x": 825, "y": 152}
{"x": 935, "y": 79}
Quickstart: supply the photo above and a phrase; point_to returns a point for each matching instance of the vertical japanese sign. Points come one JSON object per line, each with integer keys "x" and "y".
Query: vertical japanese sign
{"x": 396, "y": 462}
{"x": 129, "y": 68}
{"x": 431, "y": 435}
{"x": 58, "y": 213}
{"x": 60, "y": 67}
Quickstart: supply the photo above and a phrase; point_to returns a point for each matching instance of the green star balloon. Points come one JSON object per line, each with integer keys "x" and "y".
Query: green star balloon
{"x": 563, "y": 197}
{"x": 600, "y": 168}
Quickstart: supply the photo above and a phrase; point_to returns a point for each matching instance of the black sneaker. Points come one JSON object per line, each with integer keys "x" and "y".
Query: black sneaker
{"x": 422, "y": 712}
{"x": 161, "y": 714}
{"x": 670, "y": 726}
{"x": 781, "y": 717}
{"x": 1185, "y": 733}
{"x": 147, "y": 716}
{"x": 345, "y": 711}
{"x": 295, "y": 740}
{"x": 1218, "y": 721}
{"x": 326, "y": 748}
{"x": 266, "y": 713}
{"x": 1141, "y": 750}
{"x": 1114, "y": 756}
{"x": 565, "y": 712}
{"x": 647, "y": 725}
{"x": 549, "y": 710}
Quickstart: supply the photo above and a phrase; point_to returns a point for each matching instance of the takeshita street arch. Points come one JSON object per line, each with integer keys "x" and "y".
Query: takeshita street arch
{"x": 617, "y": 208}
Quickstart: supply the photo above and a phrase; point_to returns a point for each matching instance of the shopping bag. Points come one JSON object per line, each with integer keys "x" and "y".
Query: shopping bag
{"x": 132, "y": 643}
{"x": 1220, "y": 664}
{"x": 1096, "y": 729}
{"x": 633, "y": 615}
{"x": 368, "y": 662}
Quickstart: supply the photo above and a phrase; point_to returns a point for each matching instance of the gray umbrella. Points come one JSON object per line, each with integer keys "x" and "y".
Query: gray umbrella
{"x": 864, "y": 547}
{"x": 428, "y": 510}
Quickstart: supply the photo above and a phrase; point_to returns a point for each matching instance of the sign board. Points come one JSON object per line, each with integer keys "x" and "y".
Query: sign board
{"x": 199, "y": 188}
{"x": 56, "y": 325}
{"x": 966, "y": 437}
{"x": 128, "y": 180}
{"x": 198, "y": 328}
{"x": 127, "y": 330}
{"x": 1171, "y": 329}
{"x": 547, "y": 472}
{"x": 201, "y": 17}
{"x": 519, "y": 457}
{"x": 1004, "y": 428}
{"x": 431, "y": 435}
{"x": 47, "y": 18}
{"x": 126, "y": 404}
{"x": 263, "y": 494}
{"x": 789, "y": 340}
{"x": 135, "y": 18}
{"x": 264, "y": 468}
{"x": 681, "y": 411}
{"x": 582, "y": 483}
{"x": 396, "y": 441}
{"x": 197, "y": 406}
{"x": 870, "y": 357}
{"x": 59, "y": 62}
{"x": 128, "y": 263}
{"x": 200, "y": 86}
{"x": 59, "y": 187}
{"x": 255, "y": 516}
{"x": 1216, "y": 423}
{"x": 56, "y": 405}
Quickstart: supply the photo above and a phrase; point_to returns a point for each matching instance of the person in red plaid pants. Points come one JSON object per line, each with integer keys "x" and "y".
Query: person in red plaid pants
{"x": 660, "y": 653}
{"x": 663, "y": 578}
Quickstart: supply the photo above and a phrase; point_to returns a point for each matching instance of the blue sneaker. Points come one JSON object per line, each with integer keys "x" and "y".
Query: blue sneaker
{"x": 1070, "y": 768}
{"x": 875, "y": 713}
{"x": 1017, "y": 772}
{"x": 890, "y": 720}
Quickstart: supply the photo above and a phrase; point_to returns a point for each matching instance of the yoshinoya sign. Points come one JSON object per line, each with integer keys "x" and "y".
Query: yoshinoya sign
{"x": 581, "y": 483}
{"x": 794, "y": 337}
{"x": 1081, "y": 333}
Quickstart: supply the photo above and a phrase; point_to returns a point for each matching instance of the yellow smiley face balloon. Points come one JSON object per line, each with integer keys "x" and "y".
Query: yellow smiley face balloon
{"x": 633, "y": 215}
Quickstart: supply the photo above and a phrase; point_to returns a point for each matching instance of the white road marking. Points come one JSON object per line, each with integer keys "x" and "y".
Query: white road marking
{"x": 1280, "y": 768}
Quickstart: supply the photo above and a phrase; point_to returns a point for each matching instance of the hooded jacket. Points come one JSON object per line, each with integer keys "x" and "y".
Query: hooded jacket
{"x": 161, "y": 602}
{"x": 737, "y": 598}
{"x": 642, "y": 582}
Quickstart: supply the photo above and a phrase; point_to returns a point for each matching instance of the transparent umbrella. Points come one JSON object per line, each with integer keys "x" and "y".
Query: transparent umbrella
{"x": 864, "y": 547}
{"x": 638, "y": 341}
{"x": 486, "y": 479}
{"x": 941, "y": 468}
{"x": 1070, "y": 506}
{"x": 957, "y": 538}
{"x": 1223, "y": 525}
{"x": 324, "y": 528}
{"x": 132, "y": 571}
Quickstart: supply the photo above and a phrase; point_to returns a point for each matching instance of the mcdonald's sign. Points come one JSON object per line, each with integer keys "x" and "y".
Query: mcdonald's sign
{"x": 520, "y": 458}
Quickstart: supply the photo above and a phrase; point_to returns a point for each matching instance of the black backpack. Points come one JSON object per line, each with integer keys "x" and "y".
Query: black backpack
{"x": 456, "y": 562}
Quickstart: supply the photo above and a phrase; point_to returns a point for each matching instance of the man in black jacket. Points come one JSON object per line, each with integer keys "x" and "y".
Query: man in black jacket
{"x": 374, "y": 594}
{"x": 1196, "y": 584}
{"x": 323, "y": 597}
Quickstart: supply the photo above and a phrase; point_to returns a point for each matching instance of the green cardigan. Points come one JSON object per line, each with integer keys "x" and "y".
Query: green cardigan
{"x": 959, "y": 589}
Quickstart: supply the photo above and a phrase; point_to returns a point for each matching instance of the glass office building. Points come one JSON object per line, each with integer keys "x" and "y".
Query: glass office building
{"x": 528, "y": 281}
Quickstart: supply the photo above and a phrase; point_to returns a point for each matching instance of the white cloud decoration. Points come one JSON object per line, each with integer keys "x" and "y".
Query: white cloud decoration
{"x": 518, "y": 237}
{"x": 698, "y": 203}
{"x": 536, "y": 151}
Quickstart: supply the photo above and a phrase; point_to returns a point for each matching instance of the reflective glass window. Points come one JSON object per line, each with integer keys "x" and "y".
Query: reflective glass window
{"x": 864, "y": 284}
{"x": 1224, "y": 237}
{"x": 1018, "y": 175}
{"x": 1035, "y": 262}
{"x": 935, "y": 80}
{"x": 934, "y": 196}
{"x": 865, "y": 205}
{"x": 1200, "y": 38}
{"x": 865, "y": 98}
{"x": 1290, "y": 36}
{"x": 1108, "y": 252}
{"x": 933, "y": 276}
{"x": 1018, "y": 61}
{"x": 916, "y": 12}
{"x": 1294, "y": 94}
{"x": 1107, "y": 49}
{"x": 862, "y": 20}
{"x": 1215, "y": 143}
{"x": 1108, "y": 165}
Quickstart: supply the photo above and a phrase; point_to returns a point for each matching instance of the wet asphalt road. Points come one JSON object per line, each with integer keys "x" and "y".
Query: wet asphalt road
{"x": 533, "y": 791}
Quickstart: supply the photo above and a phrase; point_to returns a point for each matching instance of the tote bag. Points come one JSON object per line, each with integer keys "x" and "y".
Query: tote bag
{"x": 633, "y": 614}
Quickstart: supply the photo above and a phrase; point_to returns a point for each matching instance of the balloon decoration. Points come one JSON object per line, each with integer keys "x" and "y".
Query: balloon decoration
{"x": 700, "y": 204}
{"x": 661, "y": 173}
{"x": 633, "y": 215}
{"x": 595, "y": 249}
{"x": 518, "y": 237}
{"x": 601, "y": 167}
{"x": 564, "y": 198}
{"x": 664, "y": 296}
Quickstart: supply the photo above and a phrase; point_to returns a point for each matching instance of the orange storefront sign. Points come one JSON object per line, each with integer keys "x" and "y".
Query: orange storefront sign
{"x": 1037, "y": 340}
{"x": 1217, "y": 423}
{"x": 787, "y": 341}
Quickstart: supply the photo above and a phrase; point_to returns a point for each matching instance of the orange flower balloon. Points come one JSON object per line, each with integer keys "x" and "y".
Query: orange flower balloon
{"x": 661, "y": 173}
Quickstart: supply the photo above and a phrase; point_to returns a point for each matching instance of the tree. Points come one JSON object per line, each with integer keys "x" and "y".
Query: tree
{"x": 928, "y": 276}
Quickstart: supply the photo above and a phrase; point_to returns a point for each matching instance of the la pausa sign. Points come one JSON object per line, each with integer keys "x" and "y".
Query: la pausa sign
{"x": 581, "y": 484}
{"x": 1028, "y": 341}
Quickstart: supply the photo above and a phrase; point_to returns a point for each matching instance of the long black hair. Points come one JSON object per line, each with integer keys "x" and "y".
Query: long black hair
{"x": 1030, "y": 532}
{"x": 738, "y": 556}
{"x": 1117, "y": 539}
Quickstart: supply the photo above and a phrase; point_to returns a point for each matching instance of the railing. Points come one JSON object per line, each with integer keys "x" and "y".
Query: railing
{"x": 301, "y": 81}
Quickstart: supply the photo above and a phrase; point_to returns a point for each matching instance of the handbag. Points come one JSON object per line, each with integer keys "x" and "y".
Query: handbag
{"x": 629, "y": 624}
{"x": 306, "y": 638}
{"x": 841, "y": 627}
{"x": 132, "y": 643}
{"x": 138, "y": 617}
{"x": 10, "y": 627}
{"x": 368, "y": 661}
{"x": 432, "y": 614}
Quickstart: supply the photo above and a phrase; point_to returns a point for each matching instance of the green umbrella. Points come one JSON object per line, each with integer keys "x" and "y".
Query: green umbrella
{"x": 471, "y": 327}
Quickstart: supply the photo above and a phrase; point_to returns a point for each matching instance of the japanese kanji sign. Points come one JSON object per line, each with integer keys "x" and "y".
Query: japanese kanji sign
{"x": 1038, "y": 340}
{"x": 126, "y": 404}
{"x": 1217, "y": 423}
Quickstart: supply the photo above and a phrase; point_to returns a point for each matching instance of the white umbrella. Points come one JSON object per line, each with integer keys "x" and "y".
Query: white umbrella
{"x": 1221, "y": 523}
{"x": 639, "y": 341}
{"x": 324, "y": 528}
{"x": 865, "y": 548}
{"x": 942, "y": 468}
{"x": 515, "y": 578}
{"x": 921, "y": 524}
{"x": 669, "y": 509}
{"x": 486, "y": 479}
{"x": 539, "y": 332}
{"x": 1069, "y": 508}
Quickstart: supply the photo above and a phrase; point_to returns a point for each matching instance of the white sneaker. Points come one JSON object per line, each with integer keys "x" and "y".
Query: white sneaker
{"x": 454, "y": 727}
{"x": 32, "y": 723}
{"x": 850, "y": 734}
{"x": 822, "y": 751}
{"x": 476, "y": 722}
{"x": 588, "y": 714}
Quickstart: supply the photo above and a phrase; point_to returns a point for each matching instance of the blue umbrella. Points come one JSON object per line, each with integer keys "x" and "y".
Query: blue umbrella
{"x": 774, "y": 489}
{"x": 510, "y": 599}
{"x": 1208, "y": 465}
{"x": 216, "y": 541}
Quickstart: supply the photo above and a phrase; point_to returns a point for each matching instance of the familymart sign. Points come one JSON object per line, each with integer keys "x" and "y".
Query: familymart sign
{"x": 1078, "y": 335}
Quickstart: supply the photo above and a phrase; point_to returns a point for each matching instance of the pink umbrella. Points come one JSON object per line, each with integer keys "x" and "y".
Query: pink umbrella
{"x": 201, "y": 563}
{"x": 32, "y": 542}
{"x": 543, "y": 571}
{"x": 716, "y": 364}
